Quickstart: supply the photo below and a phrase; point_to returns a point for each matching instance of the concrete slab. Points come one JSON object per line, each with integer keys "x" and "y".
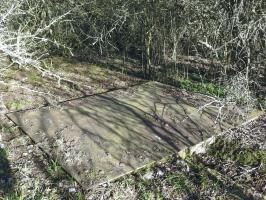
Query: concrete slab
{"x": 101, "y": 137}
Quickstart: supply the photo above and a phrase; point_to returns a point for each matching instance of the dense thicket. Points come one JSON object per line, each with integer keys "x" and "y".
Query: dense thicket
{"x": 230, "y": 35}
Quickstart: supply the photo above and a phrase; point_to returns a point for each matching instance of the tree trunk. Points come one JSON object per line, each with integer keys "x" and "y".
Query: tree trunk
{"x": 148, "y": 40}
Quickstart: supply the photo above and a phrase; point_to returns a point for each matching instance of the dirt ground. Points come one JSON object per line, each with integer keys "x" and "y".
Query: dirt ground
{"x": 231, "y": 169}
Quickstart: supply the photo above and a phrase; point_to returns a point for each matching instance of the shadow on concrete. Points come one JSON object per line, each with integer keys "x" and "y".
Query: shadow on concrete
{"x": 133, "y": 132}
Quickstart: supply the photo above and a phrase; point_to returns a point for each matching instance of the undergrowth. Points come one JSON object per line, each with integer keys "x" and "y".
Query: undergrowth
{"x": 204, "y": 88}
{"x": 233, "y": 150}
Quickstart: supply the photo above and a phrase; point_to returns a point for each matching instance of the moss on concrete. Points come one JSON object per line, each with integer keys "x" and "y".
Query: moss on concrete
{"x": 18, "y": 104}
